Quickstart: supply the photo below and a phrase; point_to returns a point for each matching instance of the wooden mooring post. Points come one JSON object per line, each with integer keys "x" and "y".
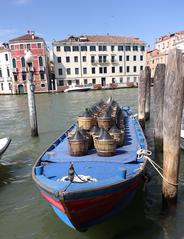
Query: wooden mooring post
{"x": 148, "y": 92}
{"x": 31, "y": 95}
{"x": 172, "y": 112}
{"x": 159, "y": 82}
{"x": 142, "y": 97}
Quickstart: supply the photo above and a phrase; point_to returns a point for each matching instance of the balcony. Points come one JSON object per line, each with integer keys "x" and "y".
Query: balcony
{"x": 104, "y": 62}
{"x": 41, "y": 68}
{"x": 94, "y": 62}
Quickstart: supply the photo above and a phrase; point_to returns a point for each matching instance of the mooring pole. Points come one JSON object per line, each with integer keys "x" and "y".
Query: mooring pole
{"x": 31, "y": 96}
{"x": 142, "y": 98}
{"x": 148, "y": 92}
{"x": 159, "y": 82}
{"x": 172, "y": 112}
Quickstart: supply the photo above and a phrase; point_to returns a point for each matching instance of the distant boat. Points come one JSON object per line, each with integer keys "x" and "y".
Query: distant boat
{"x": 4, "y": 143}
{"x": 86, "y": 190}
{"x": 77, "y": 88}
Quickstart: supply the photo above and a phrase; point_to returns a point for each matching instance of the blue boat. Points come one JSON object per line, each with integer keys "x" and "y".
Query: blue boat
{"x": 105, "y": 185}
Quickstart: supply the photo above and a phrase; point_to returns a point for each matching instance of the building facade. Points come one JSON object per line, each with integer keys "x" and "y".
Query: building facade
{"x": 162, "y": 46}
{"x": 6, "y": 76}
{"x": 18, "y": 47}
{"x": 101, "y": 61}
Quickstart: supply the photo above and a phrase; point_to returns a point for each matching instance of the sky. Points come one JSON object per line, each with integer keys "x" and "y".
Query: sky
{"x": 58, "y": 19}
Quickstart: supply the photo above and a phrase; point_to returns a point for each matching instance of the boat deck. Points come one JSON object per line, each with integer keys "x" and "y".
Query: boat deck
{"x": 56, "y": 162}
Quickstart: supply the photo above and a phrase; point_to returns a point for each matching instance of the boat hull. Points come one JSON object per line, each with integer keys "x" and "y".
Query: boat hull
{"x": 4, "y": 143}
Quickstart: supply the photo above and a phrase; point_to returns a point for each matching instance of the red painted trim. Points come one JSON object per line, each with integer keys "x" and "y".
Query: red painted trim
{"x": 52, "y": 201}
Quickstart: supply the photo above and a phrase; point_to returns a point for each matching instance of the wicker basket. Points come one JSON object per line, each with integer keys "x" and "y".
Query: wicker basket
{"x": 86, "y": 123}
{"x": 105, "y": 147}
{"x": 119, "y": 137}
{"x": 78, "y": 147}
{"x": 105, "y": 123}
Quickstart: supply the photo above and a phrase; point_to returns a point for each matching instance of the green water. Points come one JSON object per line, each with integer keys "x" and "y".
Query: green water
{"x": 23, "y": 212}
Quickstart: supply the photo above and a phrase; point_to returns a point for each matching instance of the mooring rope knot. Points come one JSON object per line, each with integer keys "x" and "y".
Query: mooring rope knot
{"x": 146, "y": 153}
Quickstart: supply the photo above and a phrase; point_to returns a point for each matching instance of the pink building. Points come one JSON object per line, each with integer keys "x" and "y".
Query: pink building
{"x": 37, "y": 46}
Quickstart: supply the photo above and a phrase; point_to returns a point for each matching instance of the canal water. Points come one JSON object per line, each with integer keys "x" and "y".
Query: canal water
{"x": 24, "y": 214}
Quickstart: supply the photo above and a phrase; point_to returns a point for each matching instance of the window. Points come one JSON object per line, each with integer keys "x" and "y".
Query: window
{"x": 85, "y": 81}
{"x": 100, "y": 70}
{"x": 135, "y": 69}
{"x": 112, "y": 58}
{"x": 67, "y": 59}
{"x": 15, "y": 77}
{"x": 128, "y": 68}
{"x": 113, "y": 69}
{"x": 127, "y": 58}
{"x": 21, "y": 46}
{"x": 84, "y": 58}
{"x": 92, "y": 48}
{"x": 75, "y": 58}
{"x": 83, "y": 48}
{"x": 100, "y": 59}
{"x": 76, "y": 71}
{"x": 93, "y": 70}
{"x": 141, "y": 58}
{"x": 68, "y": 71}
{"x": 23, "y": 76}
{"x": 23, "y": 62}
{"x": 69, "y": 82}
{"x": 77, "y": 82}
{"x": 134, "y": 58}
{"x": 40, "y": 61}
{"x": 84, "y": 70}
{"x": 120, "y": 48}
{"x": 142, "y": 48}
{"x": 12, "y": 47}
{"x": 8, "y": 72}
{"x": 104, "y": 59}
{"x": 28, "y": 46}
{"x": 60, "y": 83}
{"x": 42, "y": 85}
{"x": 14, "y": 63}
{"x": 120, "y": 69}
{"x": 42, "y": 77}
{"x": 121, "y": 80}
{"x": 67, "y": 48}
{"x": 113, "y": 80}
{"x": 102, "y": 48}
{"x": 120, "y": 58}
{"x": 39, "y": 45}
{"x": 60, "y": 71}
{"x": 127, "y": 48}
{"x": 6, "y": 57}
{"x": 75, "y": 48}
{"x": 2, "y": 88}
{"x": 105, "y": 69}
{"x": 9, "y": 86}
{"x": 112, "y": 48}
{"x": 59, "y": 59}
{"x": 92, "y": 59}
{"x": 141, "y": 68}
{"x": 93, "y": 81}
{"x": 135, "y": 48}
{"x": 58, "y": 48}
{"x": 0, "y": 72}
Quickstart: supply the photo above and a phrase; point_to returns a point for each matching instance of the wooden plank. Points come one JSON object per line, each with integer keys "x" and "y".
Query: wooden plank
{"x": 172, "y": 112}
{"x": 148, "y": 92}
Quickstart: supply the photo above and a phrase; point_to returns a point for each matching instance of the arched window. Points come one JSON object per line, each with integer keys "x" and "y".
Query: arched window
{"x": 23, "y": 62}
{"x": 40, "y": 61}
{"x": 14, "y": 63}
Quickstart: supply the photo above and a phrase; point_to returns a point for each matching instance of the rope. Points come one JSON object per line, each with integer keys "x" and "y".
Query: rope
{"x": 146, "y": 153}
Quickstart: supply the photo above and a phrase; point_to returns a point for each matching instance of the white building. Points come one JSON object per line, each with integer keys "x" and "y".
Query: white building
{"x": 6, "y": 76}
{"x": 98, "y": 60}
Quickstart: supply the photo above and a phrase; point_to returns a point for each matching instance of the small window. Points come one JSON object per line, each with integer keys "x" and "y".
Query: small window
{"x": 112, "y": 48}
{"x": 135, "y": 48}
{"x": 8, "y": 72}
{"x": 105, "y": 69}
{"x": 93, "y": 81}
{"x": 60, "y": 71}
{"x": 60, "y": 83}
{"x": 134, "y": 58}
{"x": 113, "y": 69}
{"x": 21, "y": 46}
{"x": 141, "y": 68}
{"x": 93, "y": 70}
{"x": 67, "y": 59}
{"x": 120, "y": 69}
{"x": 135, "y": 69}
{"x": 0, "y": 72}
{"x": 92, "y": 59}
{"x": 39, "y": 45}
{"x": 84, "y": 70}
{"x": 84, "y": 58}
{"x": 83, "y": 48}
{"x": 128, "y": 68}
{"x": 42, "y": 85}
{"x": 120, "y": 48}
{"x": 14, "y": 63}
{"x": 15, "y": 77}
{"x": 6, "y": 57}
{"x": 76, "y": 71}
{"x": 127, "y": 58}
{"x": 69, "y": 82}
{"x": 68, "y": 71}
{"x": 10, "y": 86}
{"x": 59, "y": 59}
{"x": 58, "y": 48}
{"x": 67, "y": 48}
{"x": 12, "y": 47}
{"x": 85, "y": 81}
{"x": 112, "y": 58}
{"x": 28, "y": 46}
{"x": 75, "y": 58}
{"x": 142, "y": 48}
{"x": 23, "y": 62}
{"x": 40, "y": 61}
{"x": 2, "y": 88}
{"x": 92, "y": 48}
{"x": 75, "y": 48}
{"x": 24, "y": 76}
{"x": 77, "y": 82}
{"x": 100, "y": 70}
{"x": 128, "y": 48}
{"x": 102, "y": 48}
{"x": 120, "y": 58}
{"x": 42, "y": 77}
{"x": 141, "y": 58}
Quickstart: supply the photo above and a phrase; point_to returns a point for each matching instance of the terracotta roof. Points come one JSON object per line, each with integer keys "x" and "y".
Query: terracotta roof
{"x": 165, "y": 37}
{"x": 27, "y": 37}
{"x": 103, "y": 39}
